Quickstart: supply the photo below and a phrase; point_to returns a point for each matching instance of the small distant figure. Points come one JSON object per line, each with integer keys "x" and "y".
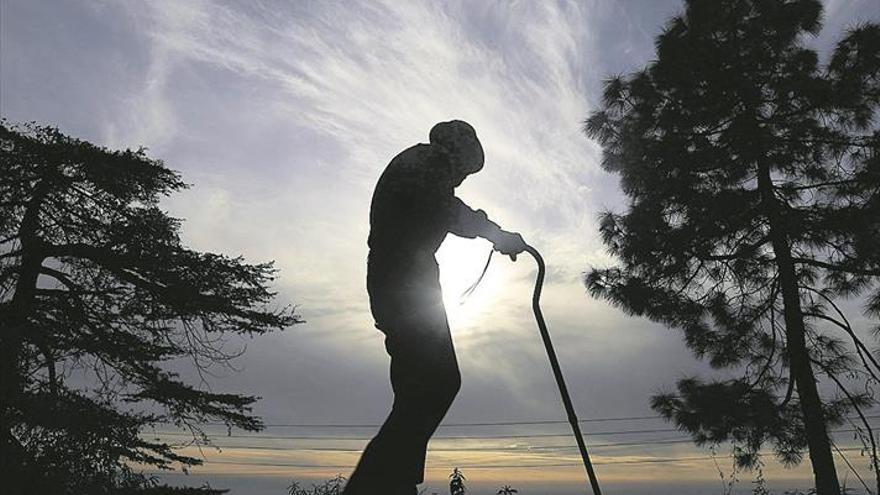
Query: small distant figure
{"x": 456, "y": 483}
{"x": 414, "y": 207}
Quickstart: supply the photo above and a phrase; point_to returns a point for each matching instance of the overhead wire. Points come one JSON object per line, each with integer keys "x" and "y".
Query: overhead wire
{"x": 462, "y": 437}
{"x": 519, "y": 448}
{"x": 515, "y": 449}
{"x": 500, "y": 466}
{"x": 446, "y": 437}
{"x": 438, "y": 437}
{"x": 459, "y": 425}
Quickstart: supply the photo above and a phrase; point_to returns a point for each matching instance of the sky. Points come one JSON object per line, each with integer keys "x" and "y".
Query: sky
{"x": 282, "y": 115}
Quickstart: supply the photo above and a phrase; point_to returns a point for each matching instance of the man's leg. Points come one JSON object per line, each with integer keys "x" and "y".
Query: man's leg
{"x": 425, "y": 379}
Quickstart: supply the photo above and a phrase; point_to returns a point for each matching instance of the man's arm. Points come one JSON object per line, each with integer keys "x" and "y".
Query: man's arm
{"x": 467, "y": 222}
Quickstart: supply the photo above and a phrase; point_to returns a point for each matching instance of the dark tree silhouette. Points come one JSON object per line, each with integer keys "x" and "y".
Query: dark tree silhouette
{"x": 96, "y": 292}
{"x": 333, "y": 486}
{"x": 456, "y": 482}
{"x": 507, "y": 490}
{"x": 754, "y": 185}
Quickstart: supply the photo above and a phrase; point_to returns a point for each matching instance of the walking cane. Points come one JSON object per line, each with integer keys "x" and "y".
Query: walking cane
{"x": 557, "y": 372}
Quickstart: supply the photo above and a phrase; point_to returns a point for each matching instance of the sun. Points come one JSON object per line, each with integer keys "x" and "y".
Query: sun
{"x": 461, "y": 263}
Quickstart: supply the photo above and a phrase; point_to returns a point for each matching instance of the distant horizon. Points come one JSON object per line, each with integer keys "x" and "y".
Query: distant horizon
{"x": 277, "y": 485}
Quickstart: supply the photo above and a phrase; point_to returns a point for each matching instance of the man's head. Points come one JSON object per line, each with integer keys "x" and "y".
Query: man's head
{"x": 459, "y": 141}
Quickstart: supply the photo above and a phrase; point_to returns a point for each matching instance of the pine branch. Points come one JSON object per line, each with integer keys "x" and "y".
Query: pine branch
{"x": 838, "y": 268}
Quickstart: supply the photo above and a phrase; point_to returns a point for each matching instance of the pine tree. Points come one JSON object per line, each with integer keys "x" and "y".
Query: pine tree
{"x": 97, "y": 292}
{"x": 753, "y": 179}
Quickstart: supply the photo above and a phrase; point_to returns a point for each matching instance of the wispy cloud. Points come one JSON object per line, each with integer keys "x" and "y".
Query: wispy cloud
{"x": 371, "y": 80}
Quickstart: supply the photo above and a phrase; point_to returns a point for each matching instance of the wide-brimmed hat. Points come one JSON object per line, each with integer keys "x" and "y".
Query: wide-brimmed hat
{"x": 459, "y": 140}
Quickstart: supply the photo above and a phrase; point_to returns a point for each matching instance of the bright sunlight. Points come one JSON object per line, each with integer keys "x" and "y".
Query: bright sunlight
{"x": 461, "y": 262}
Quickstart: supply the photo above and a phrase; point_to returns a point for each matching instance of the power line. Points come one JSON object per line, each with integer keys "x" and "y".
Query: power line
{"x": 850, "y": 466}
{"x": 497, "y": 466}
{"x": 474, "y": 466}
{"x": 513, "y": 449}
{"x": 460, "y": 425}
{"x": 450, "y": 437}
{"x": 439, "y": 437}
{"x": 522, "y": 448}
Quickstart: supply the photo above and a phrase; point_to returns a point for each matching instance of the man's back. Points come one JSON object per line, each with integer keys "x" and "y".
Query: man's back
{"x": 409, "y": 215}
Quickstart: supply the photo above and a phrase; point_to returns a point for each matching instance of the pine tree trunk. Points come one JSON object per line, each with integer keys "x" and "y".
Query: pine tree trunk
{"x": 14, "y": 327}
{"x": 819, "y": 446}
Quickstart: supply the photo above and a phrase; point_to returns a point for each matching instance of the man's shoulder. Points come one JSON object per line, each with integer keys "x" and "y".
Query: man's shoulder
{"x": 413, "y": 156}
{"x": 412, "y": 167}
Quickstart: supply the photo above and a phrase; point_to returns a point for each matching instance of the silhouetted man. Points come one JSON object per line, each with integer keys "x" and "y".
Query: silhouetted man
{"x": 414, "y": 207}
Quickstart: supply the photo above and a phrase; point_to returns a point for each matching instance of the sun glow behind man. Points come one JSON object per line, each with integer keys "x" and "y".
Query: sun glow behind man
{"x": 461, "y": 263}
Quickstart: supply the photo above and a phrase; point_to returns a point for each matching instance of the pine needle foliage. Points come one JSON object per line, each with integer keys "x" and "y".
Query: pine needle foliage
{"x": 753, "y": 179}
{"x": 100, "y": 302}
